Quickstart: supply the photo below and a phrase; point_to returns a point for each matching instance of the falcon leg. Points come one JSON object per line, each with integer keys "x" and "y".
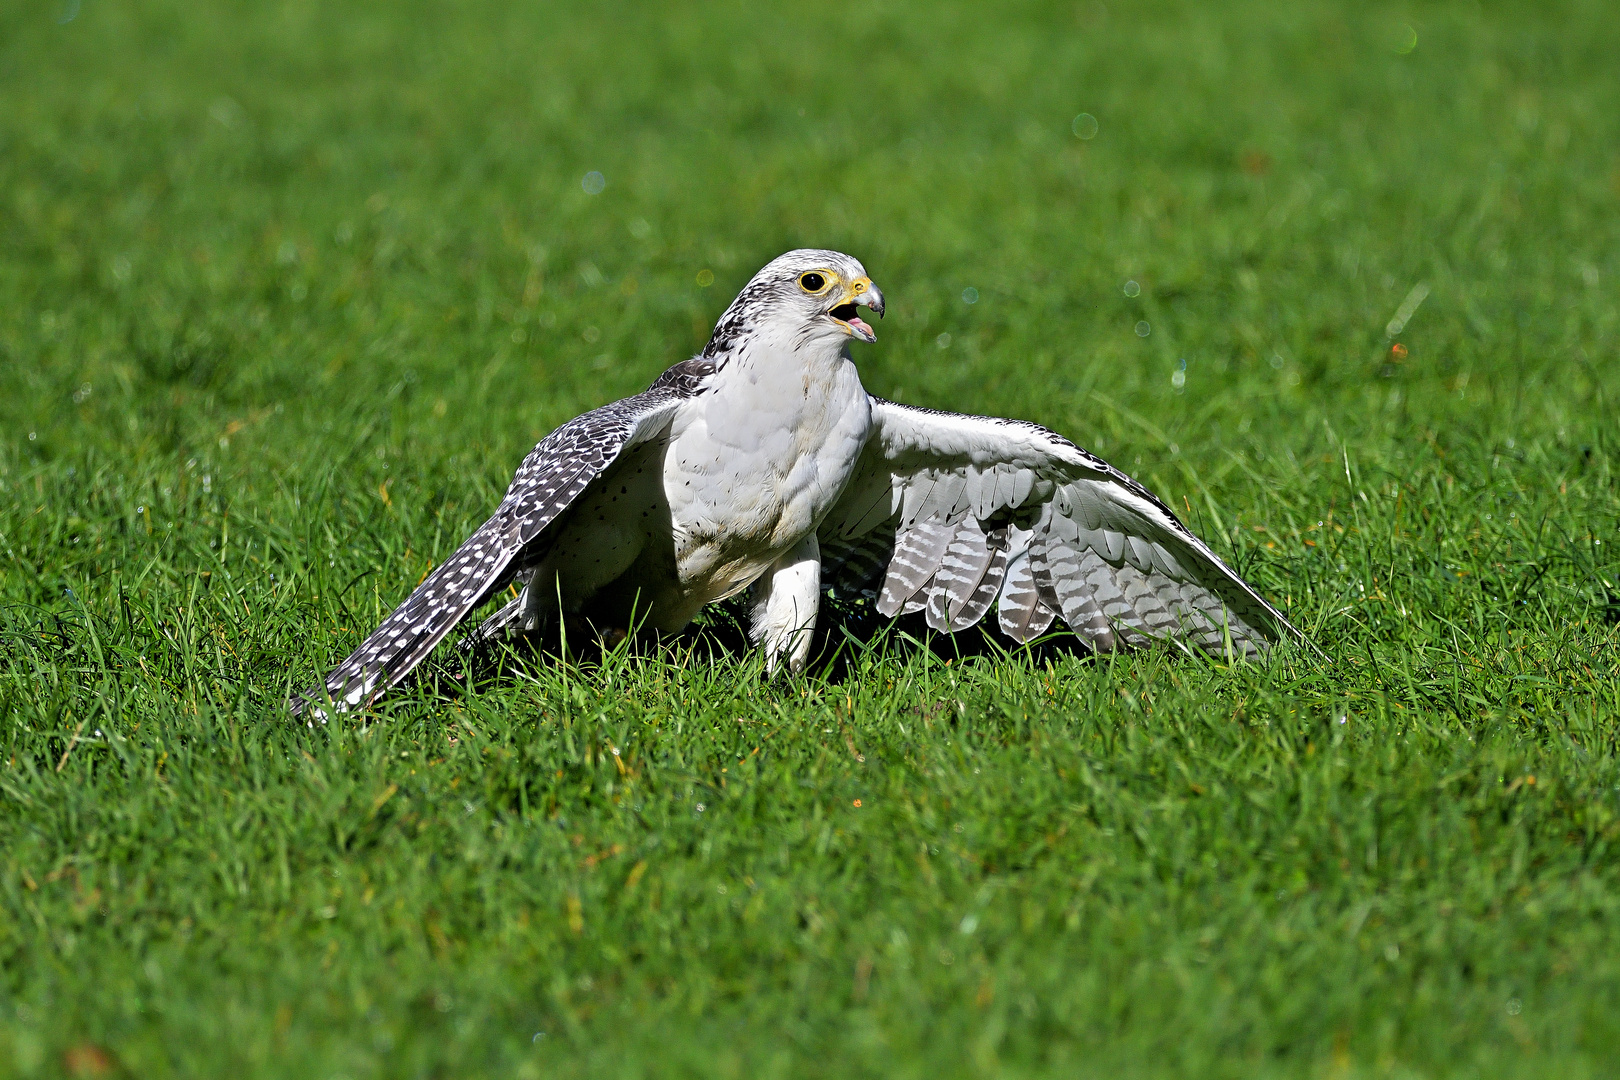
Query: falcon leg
{"x": 495, "y": 625}
{"x": 785, "y": 601}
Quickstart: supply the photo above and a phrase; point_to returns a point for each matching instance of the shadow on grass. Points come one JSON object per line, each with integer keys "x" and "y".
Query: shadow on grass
{"x": 848, "y": 636}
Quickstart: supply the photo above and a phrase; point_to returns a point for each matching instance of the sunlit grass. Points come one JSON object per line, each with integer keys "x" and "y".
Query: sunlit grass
{"x": 287, "y": 291}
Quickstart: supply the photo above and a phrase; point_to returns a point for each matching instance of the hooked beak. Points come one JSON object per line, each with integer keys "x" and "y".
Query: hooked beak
{"x": 858, "y": 293}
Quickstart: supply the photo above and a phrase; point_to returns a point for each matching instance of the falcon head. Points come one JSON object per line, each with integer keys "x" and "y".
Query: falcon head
{"x": 808, "y": 296}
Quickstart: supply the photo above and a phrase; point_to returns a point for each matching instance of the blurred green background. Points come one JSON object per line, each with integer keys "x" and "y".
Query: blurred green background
{"x": 287, "y": 290}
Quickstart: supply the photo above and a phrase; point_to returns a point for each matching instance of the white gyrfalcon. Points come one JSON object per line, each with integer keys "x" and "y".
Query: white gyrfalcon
{"x": 763, "y": 464}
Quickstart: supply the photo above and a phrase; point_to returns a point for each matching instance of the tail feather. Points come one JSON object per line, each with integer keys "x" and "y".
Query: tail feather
{"x": 466, "y": 579}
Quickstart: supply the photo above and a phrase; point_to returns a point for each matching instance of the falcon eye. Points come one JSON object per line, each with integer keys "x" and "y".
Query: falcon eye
{"x": 812, "y": 282}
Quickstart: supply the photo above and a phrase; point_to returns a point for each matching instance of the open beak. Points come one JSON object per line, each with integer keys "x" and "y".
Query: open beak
{"x": 858, "y": 293}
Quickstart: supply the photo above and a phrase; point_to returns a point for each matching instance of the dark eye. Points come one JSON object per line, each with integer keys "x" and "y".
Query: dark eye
{"x": 812, "y": 282}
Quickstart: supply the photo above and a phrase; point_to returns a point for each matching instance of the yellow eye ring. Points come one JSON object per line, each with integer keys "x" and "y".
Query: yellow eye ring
{"x": 815, "y": 281}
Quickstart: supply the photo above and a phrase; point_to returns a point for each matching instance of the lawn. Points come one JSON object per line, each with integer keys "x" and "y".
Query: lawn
{"x": 288, "y": 289}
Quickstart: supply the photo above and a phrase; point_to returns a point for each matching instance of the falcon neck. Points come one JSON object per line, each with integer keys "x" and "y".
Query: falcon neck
{"x": 784, "y": 373}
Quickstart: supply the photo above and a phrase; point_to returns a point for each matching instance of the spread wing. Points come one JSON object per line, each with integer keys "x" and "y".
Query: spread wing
{"x": 554, "y": 474}
{"x": 950, "y": 514}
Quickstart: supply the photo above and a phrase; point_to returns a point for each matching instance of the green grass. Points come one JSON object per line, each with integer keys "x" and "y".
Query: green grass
{"x": 288, "y": 289}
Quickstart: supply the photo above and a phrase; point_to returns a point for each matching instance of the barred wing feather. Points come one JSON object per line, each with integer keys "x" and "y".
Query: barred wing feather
{"x": 977, "y": 512}
{"x": 555, "y": 473}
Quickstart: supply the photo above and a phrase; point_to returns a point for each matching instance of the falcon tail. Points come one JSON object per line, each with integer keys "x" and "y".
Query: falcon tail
{"x": 462, "y": 582}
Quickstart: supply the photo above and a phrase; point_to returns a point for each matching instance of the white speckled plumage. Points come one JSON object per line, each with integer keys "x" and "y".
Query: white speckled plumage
{"x": 763, "y": 462}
